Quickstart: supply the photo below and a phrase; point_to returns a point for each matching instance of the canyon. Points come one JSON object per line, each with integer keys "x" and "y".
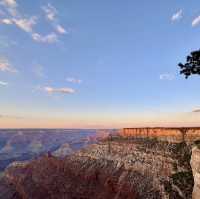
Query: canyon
{"x": 119, "y": 166}
{"x": 28, "y": 144}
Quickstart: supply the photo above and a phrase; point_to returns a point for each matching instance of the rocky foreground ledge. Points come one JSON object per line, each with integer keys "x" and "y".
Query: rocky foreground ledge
{"x": 113, "y": 169}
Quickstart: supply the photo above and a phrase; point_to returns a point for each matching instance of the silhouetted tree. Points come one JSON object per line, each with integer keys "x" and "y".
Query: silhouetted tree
{"x": 192, "y": 65}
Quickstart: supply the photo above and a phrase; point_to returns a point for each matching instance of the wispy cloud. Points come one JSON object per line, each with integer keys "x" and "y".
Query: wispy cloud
{"x": 177, "y": 16}
{"x": 60, "y": 29}
{"x": 50, "y": 38}
{"x": 22, "y": 23}
{"x": 73, "y": 80}
{"x": 167, "y": 76}
{"x": 14, "y": 17}
{"x": 196, "y": 21}
{"x": 5, "y": 66}
{"x": 65, "y": 90}
{"x": 25, "y": 24}
{"x": 6, "y": 21}
{"x": 3, "y": 83}
{"x": 50, "y": 12}
{"x": 51, "y": 15}
{"x": 196, "y": 110}
{"x": 11, "y": 7}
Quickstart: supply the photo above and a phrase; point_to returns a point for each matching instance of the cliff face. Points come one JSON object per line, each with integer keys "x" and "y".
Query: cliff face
{"x": 113, "y": 169}
{"x": 167, "y": 165}
{"x": 195, "y": 163}
{"x": 165, "y": 134}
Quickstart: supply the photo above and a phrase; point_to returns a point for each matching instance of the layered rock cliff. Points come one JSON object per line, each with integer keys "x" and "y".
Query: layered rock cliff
{"x": 165, "y": 134}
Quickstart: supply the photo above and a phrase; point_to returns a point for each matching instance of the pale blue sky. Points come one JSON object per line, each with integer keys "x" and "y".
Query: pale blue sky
{"x": 87, "y": 63}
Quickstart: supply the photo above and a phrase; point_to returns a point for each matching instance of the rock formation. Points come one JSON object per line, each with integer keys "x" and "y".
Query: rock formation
{"x": 195, "y": 163}
{"x": 165, "y": 134}
{"x": 112, "y": 169}
{"x": 63, "y": 151}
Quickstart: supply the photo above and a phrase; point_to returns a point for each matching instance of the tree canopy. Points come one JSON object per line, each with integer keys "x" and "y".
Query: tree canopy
{"x": 192, "y": 65}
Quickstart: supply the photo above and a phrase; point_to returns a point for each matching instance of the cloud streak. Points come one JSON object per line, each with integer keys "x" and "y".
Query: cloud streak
{"x": 3, "y": 83}
{"x": 22, "y": 23}
{"x": 196, "y": 21}
{"x": 73, "y": 80}
{"x": 25, "y": 24}
{"x": 50, "y": 12}
{"x": 51, "y": 15}
{"x": 6, "y": 21}
{"x": 60, "y": 29}
{"x": 177, "y": 16}
{"x": 49, "y": 38}
{"x": 197, "y": 110}
{"x": 5, "y": 66}
{"x": 64, "y": 90}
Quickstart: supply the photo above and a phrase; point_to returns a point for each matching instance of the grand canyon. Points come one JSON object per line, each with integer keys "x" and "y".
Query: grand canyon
{"x": 99, "y": 99}
{"x": 106, "y": 164}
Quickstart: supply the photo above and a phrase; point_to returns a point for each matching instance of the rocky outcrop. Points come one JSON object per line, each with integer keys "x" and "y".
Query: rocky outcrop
{"x": 195, "y": 164}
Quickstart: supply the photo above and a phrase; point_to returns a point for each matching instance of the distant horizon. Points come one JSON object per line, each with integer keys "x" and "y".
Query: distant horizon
{"x": 144, "y": 127}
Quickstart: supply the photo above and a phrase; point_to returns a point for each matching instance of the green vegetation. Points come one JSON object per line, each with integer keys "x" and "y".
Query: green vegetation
{"x": 182, "y": 153}
{"x": 184, "y": 182}
{"x": 180, "y": 181}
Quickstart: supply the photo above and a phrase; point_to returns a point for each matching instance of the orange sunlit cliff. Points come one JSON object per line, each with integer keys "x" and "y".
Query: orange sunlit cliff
{"x": 169, "y": 134}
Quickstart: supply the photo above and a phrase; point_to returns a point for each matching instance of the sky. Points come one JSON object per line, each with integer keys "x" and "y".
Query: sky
{"x": 97, "y": 64}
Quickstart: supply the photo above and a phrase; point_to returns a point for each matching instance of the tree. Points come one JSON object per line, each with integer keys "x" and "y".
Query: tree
{"x": 192, "y": 65}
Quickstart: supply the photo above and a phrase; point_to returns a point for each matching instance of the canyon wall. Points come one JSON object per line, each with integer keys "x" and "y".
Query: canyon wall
{"x": 112, "y": 169}
{"x": 165, "y": 134}
{"x": 195, "y": 164}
